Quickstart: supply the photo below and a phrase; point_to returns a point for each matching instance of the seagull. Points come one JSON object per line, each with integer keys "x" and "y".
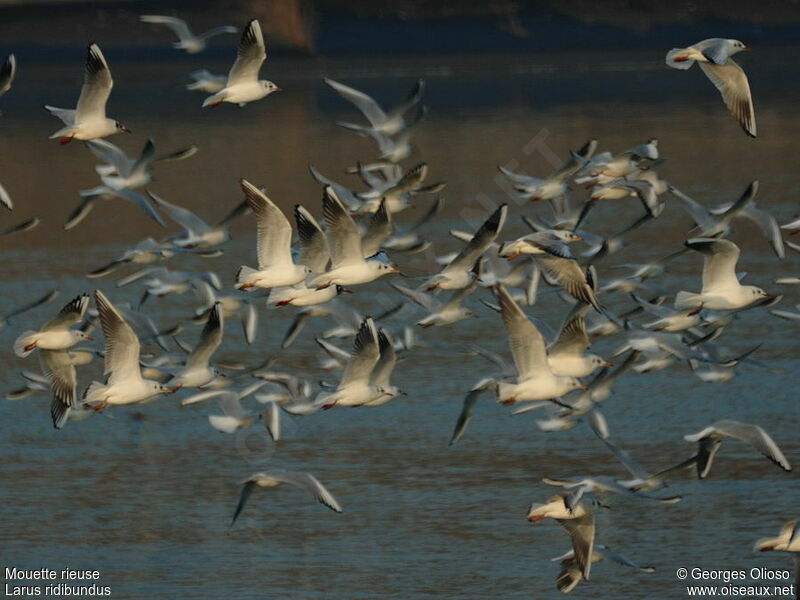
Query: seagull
{"x": 7, "y": 73}
{"x": 717, "y": 369}
{"x": 380, "y": 122}
{"x": 304, "y": 481}
{"x": 207, "y": 82}
{"x": 396, "y": 195}
{"x": 658, "y": 347}
{"x": 570, "y": 575}
{"x": 604, "y": 167}
{"x": 714, "y": 57}
{"x": 144, "y": 252}
{"x": 721, "y": 287}
{"x": 273, "y": 247}
{"x": 624, "y": 187}
{"x": 579, "y": 487}
{"x": 668, "y": 319}
{"x": 459, "y": 272}
{"x": 440, "y": 313}
{"x": 787, "y": 541}
{"x": 122, "y": 172}
{"x": 710, "y": 439}
{"x": 196, "y": 371}
{"x": 125, "y": 384}
{"x": 535, "y": 379}
{"x": 645, "y": 271}
{"x": 578, "y": 522}
{"x": 643, "y": 480}
{"x": 717, "y": 221}
{"x": 121, "y": 175}
{"x": 161, "y": 281}
{"x": 88, "y": 121}
{"x": 554, "y": 186}
{"x": 355, "y": 387}
{"x": 56, "y": 334}
{"x": 187, "y": 41}
{"x": 196, "y": 232}
{"x": 348, "y": 265}
{"x": 243, "y": 85}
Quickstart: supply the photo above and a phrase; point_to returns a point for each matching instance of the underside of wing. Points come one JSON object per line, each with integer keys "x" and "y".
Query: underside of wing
{"x": 732, "y": 83}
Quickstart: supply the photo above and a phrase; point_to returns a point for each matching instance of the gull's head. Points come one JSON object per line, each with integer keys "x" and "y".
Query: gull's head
{"x": 759, "y": 294}
{"x": 385, "y": 267}
{"x": 566, "y": 235}
{"x": 270, "y": 87}
{"x": 599, "y": 361}
{"x": 84, "y": 337}
{"x": 380, "y": 262}
{"x": 121, "y": 127}
{"x": 737, "y": 46}
{"x": 392, "y": 391}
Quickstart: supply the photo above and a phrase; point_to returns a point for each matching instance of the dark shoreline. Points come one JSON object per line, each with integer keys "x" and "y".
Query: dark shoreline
{"x": 348, "y": 28}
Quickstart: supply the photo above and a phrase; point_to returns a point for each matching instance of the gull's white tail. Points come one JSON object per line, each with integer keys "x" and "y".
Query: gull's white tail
{"x": 94, "y": 393}
{"x": 244, "y": 275}
{"x": 678, "y": 58}
{"x": 22, "y": 342}
{"x": 687, "y": 300}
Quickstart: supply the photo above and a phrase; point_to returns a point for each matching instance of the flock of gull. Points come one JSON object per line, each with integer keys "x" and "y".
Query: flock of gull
{"x": 314, "y": 265}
